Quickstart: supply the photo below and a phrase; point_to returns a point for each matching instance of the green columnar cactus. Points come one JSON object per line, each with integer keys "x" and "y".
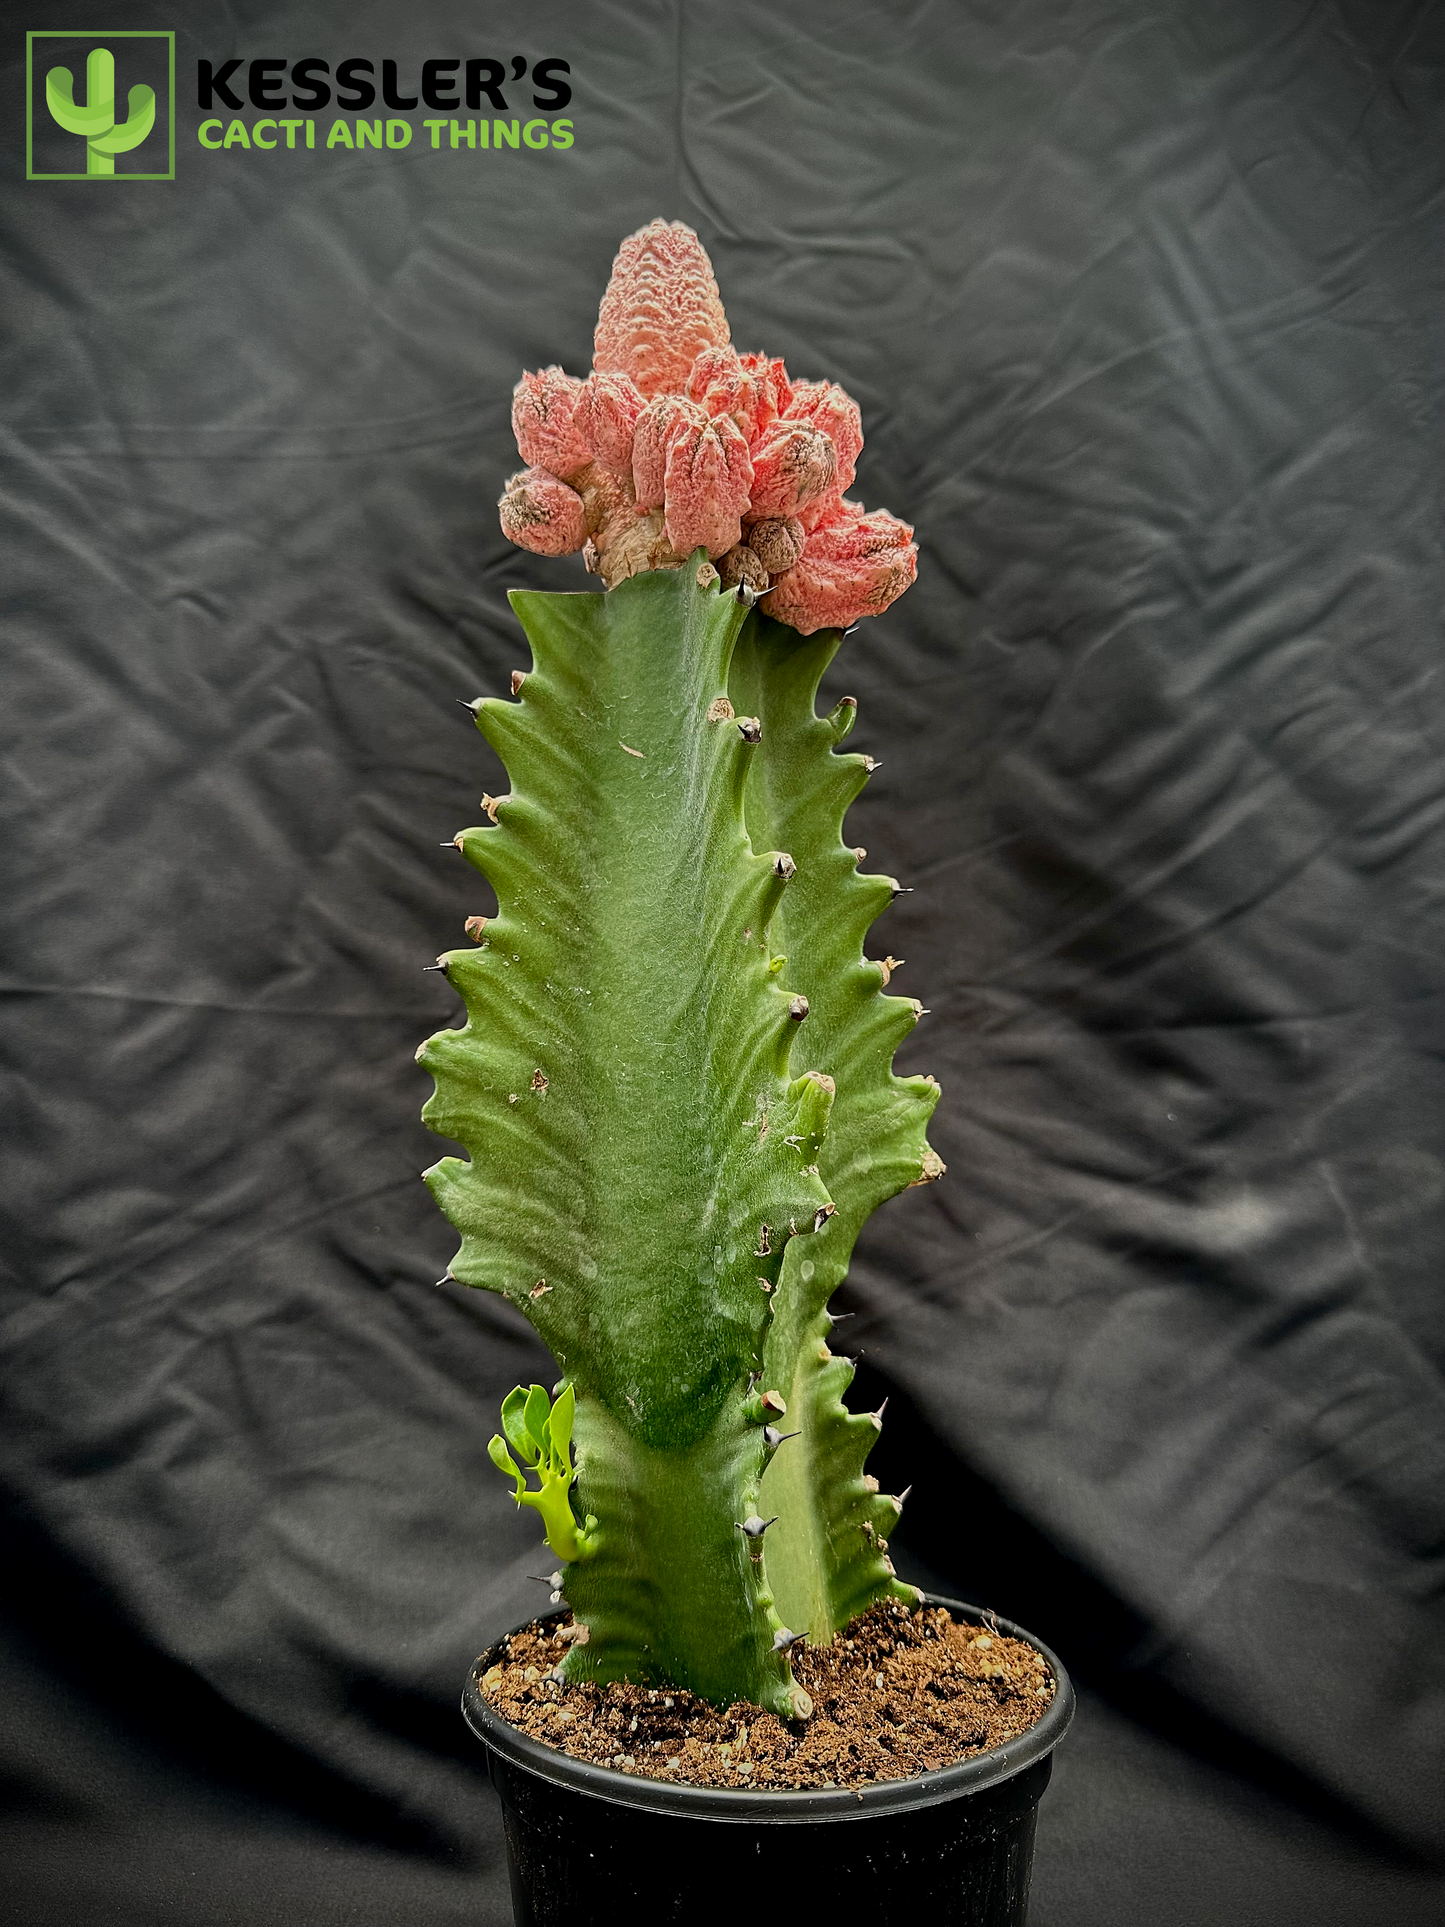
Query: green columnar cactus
{"x": 104, "y": 136}
{"x": 675, "y": 1092}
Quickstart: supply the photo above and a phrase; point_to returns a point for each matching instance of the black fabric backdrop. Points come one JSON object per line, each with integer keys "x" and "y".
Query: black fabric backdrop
{"x": 1142, "y": 308}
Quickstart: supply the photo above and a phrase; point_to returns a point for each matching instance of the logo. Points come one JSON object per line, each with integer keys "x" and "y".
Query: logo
{"x": 78, "y": 130}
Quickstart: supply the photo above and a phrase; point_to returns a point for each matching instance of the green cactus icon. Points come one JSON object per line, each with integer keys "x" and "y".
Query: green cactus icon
{"x": 96, "y": 122}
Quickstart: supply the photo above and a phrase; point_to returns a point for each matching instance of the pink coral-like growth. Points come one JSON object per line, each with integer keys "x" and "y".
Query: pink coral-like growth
{"x": 656, "y": 426}
{"x": 852, "y": 566}
{"x": 792, "y": 464}
{"x": 675, "y": 442}
{"x": 606, "y": 418}
{"x": 660, "y": 310}
{"x": 744, "y": 387}
{"x": 831, "y": 409}
{"x": 709, "y": 475}
{"x": 543, "y": 406}
{"x": 543, "y": 514}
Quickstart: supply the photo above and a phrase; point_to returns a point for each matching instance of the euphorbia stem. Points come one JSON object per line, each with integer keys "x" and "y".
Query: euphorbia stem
{"x": 647, "y": 1138}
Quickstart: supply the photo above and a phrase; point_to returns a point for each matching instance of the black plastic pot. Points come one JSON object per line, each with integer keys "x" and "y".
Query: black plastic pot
{"x": 589, "y": 1845}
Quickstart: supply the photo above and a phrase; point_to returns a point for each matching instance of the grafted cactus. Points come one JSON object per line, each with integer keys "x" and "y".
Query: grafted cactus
{"x": 675, "y": 440}
{"x": 104, "y": 136}
{"x": 674, "y": 1084}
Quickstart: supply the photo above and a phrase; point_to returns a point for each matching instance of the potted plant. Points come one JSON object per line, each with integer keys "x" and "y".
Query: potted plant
{"x": 674, "y": 1087}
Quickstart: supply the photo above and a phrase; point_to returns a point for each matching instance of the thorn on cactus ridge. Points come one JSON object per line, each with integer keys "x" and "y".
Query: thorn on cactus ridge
{"x": 870, "y": 763}
{"x": 877, "y": 1417}
{"x": 755, "y": 1527}
{"x": 783, "y": 1639}
{"x": 552, "y": 1579}
{"x": 470, "y": 707}
{"x": 837, "y": 1317}
{"x": 440, "y": 964}
{"x": 902, "y": 1498}
{"x": 750, "y": 729}
{"x": 798, "y": 1009}
{"x": 773, "y": 1438}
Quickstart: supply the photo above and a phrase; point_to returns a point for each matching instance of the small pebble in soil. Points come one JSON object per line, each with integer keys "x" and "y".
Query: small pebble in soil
{"x": 908, "y": 1692}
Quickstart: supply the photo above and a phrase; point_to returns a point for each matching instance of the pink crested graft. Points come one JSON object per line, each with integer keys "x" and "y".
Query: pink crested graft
{"x": 543, "y": 411}
{"x": 747, "y": 388}
{"x": 675, "y": 442}
{"x": 852, "y": 566}
{"x": 829, "y": 408}
{"x": 662, "y": 418}
{"x": 706, "y": 485}
{"x": 793, "y": 464}
{"x": 661, "y": 309}
{"x": 606, "y": 419}
{"x": 543, "y": 514}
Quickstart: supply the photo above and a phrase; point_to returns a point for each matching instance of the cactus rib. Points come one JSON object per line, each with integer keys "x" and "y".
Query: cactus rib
{"x": 827, "y": 1558}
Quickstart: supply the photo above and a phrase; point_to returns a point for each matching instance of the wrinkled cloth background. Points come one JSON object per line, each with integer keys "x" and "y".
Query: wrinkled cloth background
{"x": 1142, "y": 307}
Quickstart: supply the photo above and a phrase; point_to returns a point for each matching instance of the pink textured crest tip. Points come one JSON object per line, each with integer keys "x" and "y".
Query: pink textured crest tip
{"x": 833, "y": 410}
{"x": 854, "y": 565}
{"x": 708, "y": 476}
{"x": 661, "y": 309}
{"x": 606, "y": 418}
{"x": 772, "y": 379}
{"x": 743, "y": 387}
{"x": 541, "y": 513}
{"x": 659, "y": 421}
{"x": 793, "y": 463}
{"x": 543, "y": 406}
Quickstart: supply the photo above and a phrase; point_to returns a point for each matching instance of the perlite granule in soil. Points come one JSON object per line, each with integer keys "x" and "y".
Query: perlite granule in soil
{"x": 899, "y": 1692}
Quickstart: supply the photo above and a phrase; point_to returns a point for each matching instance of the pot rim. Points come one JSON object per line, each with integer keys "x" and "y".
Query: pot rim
{"x": 782, "y": 1805}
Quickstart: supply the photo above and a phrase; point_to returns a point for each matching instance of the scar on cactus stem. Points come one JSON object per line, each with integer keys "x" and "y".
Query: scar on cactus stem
{"x": 679, "y": 941}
